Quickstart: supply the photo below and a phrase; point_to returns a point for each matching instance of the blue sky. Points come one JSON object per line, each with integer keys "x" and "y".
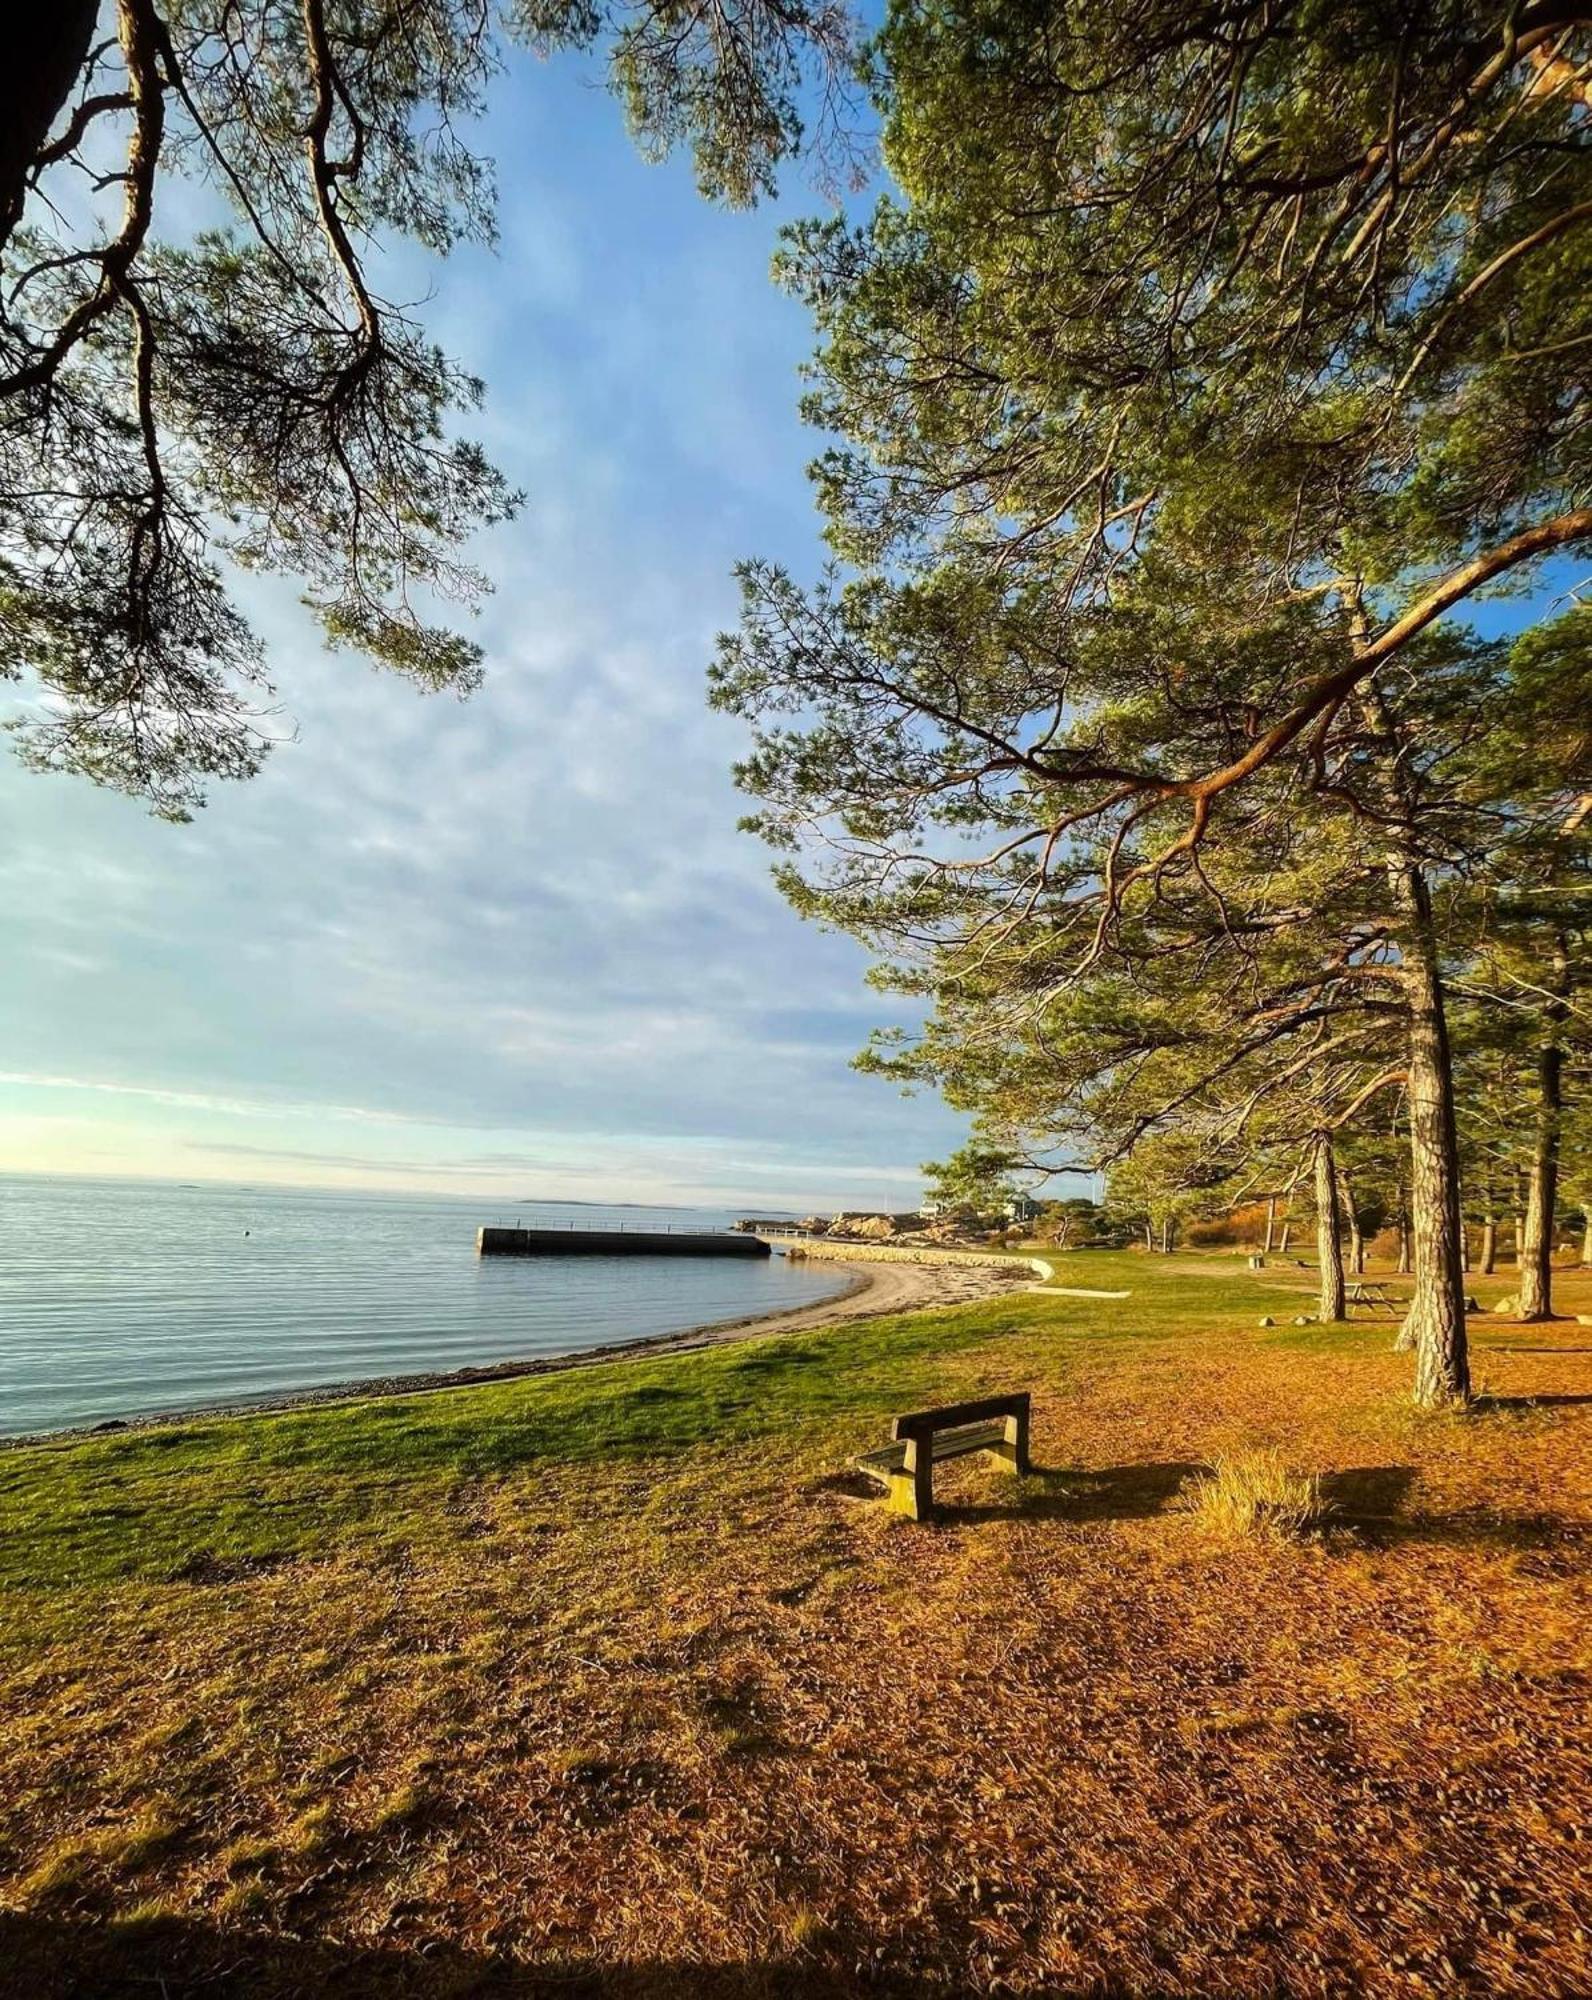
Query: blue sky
{"x": 511, "y": 946}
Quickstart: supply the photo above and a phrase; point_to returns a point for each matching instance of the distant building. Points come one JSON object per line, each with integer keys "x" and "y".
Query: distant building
{"x": 1016, "y": 1208}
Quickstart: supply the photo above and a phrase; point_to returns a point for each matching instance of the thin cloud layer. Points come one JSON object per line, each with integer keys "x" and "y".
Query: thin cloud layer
{"x": 517, "y": 941}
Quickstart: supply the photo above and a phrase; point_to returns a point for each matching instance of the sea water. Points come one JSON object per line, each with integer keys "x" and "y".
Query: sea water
{"x": 120, "y": 1298}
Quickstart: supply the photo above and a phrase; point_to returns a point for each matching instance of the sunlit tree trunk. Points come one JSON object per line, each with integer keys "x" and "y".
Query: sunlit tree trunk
{"x": 1586, "y": 1237}
{"x": 1329, "y": 1232}
{"x": 1536, "y": 1248}
{"x": 1435, "y": 1325}
{"x": 1489, "y": 1242}
{"x": 1271, "y": 1224}
{"x": 1464, "y": 1244}
{"x": 1282, "y": 1241}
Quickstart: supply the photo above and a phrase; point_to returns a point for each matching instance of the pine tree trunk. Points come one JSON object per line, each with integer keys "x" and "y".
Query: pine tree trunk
{"x": 1520, "y": 1237}
{"x": 1435, "y": 1325}
{"x": 1536, "y": 1252}
{"x": 1271, "y": 1224}
{"x": 1149, "y": 1234}
{"x": 46, "y": 48}
{"x": 1489, "y": 1243}
{"x": 1464, "y": 1245}
{"x": 1351, "y": 1219}
{"x": 1282, "y": 1245}
{"x": 1329, "y": 1233}
{"x": 1166, "y": 1237}
{"x": 1586, "y": 1237}
{"x": 1401, "y": 1225}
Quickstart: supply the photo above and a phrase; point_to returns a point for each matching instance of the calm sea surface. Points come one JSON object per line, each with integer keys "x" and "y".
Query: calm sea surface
{"x": 121, "y": 1297}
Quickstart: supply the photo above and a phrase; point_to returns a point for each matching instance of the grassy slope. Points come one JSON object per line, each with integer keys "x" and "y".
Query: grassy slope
{"x": 609, "y": 1668}
{"x": 87, "y": 1514}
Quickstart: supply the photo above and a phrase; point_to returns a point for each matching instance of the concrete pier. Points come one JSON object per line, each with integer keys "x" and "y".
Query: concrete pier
{"x": 492, "y": 1242}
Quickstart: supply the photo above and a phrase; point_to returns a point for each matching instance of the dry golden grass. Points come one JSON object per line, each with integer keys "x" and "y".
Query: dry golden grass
{"x": 696, "y": 1720}
{"x": 1253, "y": 1492}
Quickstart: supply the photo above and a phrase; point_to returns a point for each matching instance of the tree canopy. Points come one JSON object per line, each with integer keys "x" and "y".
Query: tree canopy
{"x": 247, "y": 391}
{"x": 977, "y": 1180}
{"x": 1207, "y": 371}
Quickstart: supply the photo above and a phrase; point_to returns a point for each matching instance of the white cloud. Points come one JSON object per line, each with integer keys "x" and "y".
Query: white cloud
{"x": 529, "y": 914}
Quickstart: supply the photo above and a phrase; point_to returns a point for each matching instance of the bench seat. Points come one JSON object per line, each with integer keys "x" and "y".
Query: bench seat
{"x": 892, "y": 1458}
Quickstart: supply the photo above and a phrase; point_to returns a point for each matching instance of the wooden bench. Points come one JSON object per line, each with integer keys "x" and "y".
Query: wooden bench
{"x": 905, "y": 1468}
{"x": 1376, "y": 1298}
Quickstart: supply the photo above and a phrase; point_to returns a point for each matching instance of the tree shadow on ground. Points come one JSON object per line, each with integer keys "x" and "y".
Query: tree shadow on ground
{"x": 49, "y": 1958}
{"x": 1372, "y": 1500}
{"x": 1502, "y": 1405}
{"x": 1077, "y": 1493}
{"x": 1522, "y": 1532}
{"x": 1546, "y": 1348}
{"x": 1367, "y": 1495}
{"x": 1368, "y": 1502}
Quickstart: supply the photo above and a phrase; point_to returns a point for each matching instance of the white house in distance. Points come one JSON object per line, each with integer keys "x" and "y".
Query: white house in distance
{"x": 1016, "y": 1208}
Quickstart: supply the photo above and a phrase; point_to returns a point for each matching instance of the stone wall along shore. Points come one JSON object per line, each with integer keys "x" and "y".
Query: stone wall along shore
{"x": 837, "y": 1250}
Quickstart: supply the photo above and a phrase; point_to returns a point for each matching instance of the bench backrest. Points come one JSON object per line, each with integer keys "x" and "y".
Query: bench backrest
{"x": 924, "y": 1423}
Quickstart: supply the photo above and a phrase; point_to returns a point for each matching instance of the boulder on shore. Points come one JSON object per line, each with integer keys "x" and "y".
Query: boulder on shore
{"x": 866, "y": 1229}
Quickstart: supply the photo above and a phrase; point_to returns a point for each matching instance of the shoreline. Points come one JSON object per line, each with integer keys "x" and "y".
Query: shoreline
{"x": 873, "y": 1290}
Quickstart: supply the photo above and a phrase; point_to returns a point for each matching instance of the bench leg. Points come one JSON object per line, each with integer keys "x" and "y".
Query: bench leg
{"x": 1012, "y": 1451}
{"x": 912, "y": 1488}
